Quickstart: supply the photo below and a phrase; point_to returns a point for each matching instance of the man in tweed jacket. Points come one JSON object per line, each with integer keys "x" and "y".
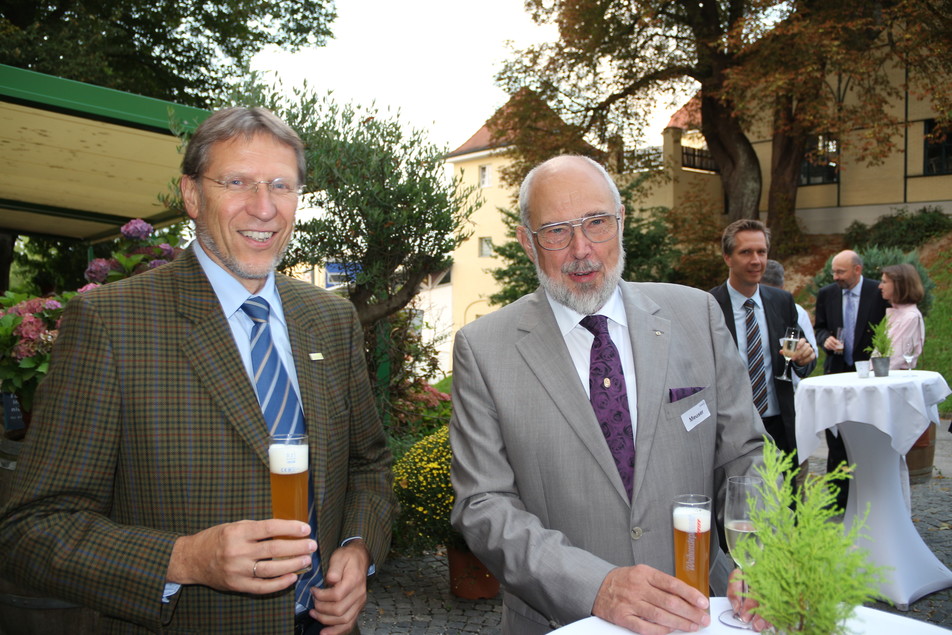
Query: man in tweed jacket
{"x": 143, "y": 490}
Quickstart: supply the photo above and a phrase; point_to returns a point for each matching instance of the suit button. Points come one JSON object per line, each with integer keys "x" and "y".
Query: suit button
{"x": 636, "y": 533}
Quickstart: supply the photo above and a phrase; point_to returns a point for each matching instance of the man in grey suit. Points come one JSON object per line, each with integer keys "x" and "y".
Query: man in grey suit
{"x": 540, "y": 495}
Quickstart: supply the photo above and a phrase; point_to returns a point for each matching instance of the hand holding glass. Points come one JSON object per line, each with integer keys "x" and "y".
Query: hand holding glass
{"x": 788, "y": 347}
{"x": 838, "y": 349}
{"x": 287, "y": 457}
{"x": 909, "y": 352}
{"x": 743, "y": 495}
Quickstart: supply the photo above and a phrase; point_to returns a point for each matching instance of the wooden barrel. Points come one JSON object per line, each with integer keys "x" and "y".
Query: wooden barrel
{"x": 22, "y": 610}
{"x": 920, "y": 458}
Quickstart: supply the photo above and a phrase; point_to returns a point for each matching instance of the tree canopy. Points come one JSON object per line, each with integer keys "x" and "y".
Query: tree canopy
{"x": 179, "y": 50}
{"x": 797, "y": 69}
{"x": 388, "y": 214}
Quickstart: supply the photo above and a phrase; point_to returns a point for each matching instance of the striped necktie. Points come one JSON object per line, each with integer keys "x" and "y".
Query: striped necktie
{"x": 283, "y": 414}
{"x": 755, "y": 359}
{"x": 279, "y": 402}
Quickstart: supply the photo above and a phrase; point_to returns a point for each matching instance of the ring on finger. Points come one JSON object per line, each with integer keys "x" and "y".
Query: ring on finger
{"x": 254, "y": 569}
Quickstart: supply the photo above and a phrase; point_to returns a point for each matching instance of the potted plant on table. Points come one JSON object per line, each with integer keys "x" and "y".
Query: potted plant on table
{"x": 881, "y": 348}
{"x": 802, "y": 568}
{"x": 422, "y": 485}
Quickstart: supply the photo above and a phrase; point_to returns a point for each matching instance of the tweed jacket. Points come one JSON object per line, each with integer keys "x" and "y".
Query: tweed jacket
{"x": 147, "y": 428}
{"x": 781, "y": 312}
{"x": 538, "y": 496}
{"x": 829, "y": 317}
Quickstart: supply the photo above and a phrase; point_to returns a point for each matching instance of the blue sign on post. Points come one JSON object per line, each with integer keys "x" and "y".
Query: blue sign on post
{"x": 12, "y": 415}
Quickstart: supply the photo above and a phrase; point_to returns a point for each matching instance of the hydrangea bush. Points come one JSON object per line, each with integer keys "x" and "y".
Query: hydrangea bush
{"x": 138, "y": 250}
{"x": 28, "y": 328}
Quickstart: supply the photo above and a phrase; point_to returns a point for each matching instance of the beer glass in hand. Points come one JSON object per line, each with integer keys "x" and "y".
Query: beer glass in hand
{"x": 691, "y": 516}
{"x": 742, "y": 496}
{"x": 287, "y": 458}
{"x": 788, "y": 347}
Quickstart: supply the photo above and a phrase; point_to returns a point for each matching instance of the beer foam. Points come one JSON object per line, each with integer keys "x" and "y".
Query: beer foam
{"x": 287, "y": 459}
{"x": 686, "y": 519}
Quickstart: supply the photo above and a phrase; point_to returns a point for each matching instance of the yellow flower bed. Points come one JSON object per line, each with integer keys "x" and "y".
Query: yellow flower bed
{"x": 422, "y": 484}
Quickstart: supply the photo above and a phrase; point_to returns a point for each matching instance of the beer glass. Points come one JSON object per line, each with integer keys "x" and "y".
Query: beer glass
{"x": 691, "y": 515}
{"x": 287, "y": 458}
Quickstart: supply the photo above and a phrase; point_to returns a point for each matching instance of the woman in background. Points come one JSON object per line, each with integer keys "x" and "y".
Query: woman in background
{"x": 902, "y": 287}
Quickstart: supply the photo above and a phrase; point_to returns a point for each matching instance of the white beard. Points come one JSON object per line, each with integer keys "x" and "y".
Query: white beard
{"x": 586, "y": 298}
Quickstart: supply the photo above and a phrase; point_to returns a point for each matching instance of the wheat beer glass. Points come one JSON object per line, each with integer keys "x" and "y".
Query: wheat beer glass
{"x": 287, "y": 458}
{"x": 691, "y": 515}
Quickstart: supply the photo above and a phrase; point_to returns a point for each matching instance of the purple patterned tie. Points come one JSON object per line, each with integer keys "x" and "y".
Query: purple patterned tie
{"x": 606, "y": 381}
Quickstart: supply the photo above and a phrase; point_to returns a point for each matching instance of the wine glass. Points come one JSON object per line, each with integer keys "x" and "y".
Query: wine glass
{"x": 909, "y": 352}
{"x": 743, "y": 495}
{"x": 788, "y": 347}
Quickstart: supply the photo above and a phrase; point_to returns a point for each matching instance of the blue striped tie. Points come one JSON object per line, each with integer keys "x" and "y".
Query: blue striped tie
{"x": 755, "y": 359}
{"x": 282, "y": 413}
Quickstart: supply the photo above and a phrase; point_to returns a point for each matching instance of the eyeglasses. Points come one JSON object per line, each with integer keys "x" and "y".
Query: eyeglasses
{"x": 238, "y": 185}
{"x": 598, "y": 229}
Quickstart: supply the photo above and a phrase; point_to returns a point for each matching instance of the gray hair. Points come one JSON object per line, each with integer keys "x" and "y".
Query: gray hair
{"x": 526, "y": 186}
{"x": 228, "y": 123}
{"x": 773, "y": 274}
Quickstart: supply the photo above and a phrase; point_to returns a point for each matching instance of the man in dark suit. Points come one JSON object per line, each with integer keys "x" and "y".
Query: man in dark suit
{"x": 143, "y": 490}
{"x": 569, "y": 510}
{"x": 851, "y": 299}
{"x": 745, "y": 245}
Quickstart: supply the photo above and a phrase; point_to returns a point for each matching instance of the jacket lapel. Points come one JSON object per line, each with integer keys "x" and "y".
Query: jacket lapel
{"x": 650, "y": 342}
{"x": 211, "y": 350}
{"x": 543, "y": 349}
{"x": 308, "y": 348}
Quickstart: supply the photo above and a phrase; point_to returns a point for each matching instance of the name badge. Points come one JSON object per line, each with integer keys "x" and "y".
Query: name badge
{"x": 695, "y": 415}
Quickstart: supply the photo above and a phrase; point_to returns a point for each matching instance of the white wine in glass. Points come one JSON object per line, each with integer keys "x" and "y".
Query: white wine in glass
{"x": 743, "y": 495}
{"x": 788, "y": 348}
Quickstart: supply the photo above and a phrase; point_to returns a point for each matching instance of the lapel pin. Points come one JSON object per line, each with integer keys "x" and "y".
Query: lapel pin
{"x": 316, "y": 356}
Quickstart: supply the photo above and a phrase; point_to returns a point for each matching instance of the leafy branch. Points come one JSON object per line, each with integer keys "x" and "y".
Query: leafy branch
{"x": 804, "y": 570}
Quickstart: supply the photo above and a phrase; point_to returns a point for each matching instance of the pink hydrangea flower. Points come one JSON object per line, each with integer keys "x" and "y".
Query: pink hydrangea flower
{"x": 136, "y": 229}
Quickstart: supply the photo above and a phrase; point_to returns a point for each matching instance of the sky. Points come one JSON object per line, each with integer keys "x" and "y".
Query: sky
{"x": 435, "y": 60}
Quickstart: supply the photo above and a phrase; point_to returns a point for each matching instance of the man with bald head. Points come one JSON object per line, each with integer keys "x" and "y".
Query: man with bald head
{"x": 851, "y": 304}
{"x": 581, "y": 410}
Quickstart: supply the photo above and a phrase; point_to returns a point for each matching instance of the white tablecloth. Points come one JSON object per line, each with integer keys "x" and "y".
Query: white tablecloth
{"x": 900, "y": 405}
{"x": 865, "y": 621}
{"x": 879, "y": 419}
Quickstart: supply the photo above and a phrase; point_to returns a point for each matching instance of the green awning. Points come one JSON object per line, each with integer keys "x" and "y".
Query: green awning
{"x": 79, "y": 161}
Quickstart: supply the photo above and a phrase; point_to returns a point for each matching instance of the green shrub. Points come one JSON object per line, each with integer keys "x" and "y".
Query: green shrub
{"x": 903, "y": 230}
{"x": 874, "y": 259}
{"x": 421, "y": 481}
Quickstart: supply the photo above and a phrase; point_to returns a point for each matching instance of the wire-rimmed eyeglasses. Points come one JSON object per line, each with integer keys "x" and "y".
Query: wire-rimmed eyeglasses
{"x": 238, "y": 185}
{"x": 598, "y": 229}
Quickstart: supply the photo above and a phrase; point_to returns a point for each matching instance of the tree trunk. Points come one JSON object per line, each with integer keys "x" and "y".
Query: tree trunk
{"x": 787, "y": 150}
{"x": 735, "y": 158}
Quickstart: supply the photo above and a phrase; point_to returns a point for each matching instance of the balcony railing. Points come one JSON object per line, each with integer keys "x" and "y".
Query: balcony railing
{"x": 698, "y": 159}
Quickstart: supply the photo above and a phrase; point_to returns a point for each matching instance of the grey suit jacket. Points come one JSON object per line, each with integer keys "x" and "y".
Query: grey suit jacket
{"x": 539, "y": 499}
